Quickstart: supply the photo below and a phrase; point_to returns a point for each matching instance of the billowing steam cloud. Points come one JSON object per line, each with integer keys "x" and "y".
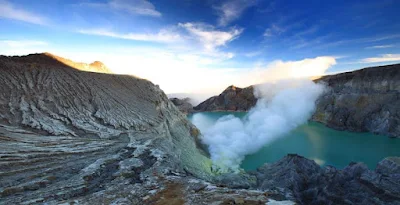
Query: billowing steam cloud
{"x": 283, "y": 104}
{"x": 289, "y": 105}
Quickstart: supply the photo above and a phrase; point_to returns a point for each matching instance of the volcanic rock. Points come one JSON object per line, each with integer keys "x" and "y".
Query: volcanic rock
{"x": 231, "y": 99}
{"x": 183, "y": 105}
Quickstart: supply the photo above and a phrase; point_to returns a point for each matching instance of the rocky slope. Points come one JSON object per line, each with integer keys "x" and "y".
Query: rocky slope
{"x": 231, "y": 99}
{"x": 65, "y": 133}
{"x": 362, "y": 100}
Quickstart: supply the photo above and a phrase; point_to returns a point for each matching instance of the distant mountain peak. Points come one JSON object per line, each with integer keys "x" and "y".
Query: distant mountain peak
{"x": 98, "y": 64}
{"x": 232, "y": 87}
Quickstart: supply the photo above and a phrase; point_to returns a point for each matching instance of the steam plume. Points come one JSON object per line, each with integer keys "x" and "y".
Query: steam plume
{"x": 281, "y": 107}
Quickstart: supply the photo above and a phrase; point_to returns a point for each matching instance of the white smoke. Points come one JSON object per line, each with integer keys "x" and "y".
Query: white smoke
{"x": 281, "y": 107}
{"x": 283, "y": 104}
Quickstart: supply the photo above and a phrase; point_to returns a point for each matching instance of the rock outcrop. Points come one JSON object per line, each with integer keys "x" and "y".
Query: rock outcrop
{"x": 231, "y": 99}
{"x": 308, "y": 183}
{"x": 183, "y": 105}
{"x": 366, "y": 100}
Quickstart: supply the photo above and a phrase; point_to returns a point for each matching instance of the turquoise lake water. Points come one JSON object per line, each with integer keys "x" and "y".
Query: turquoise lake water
{"x": 315, "y": 141}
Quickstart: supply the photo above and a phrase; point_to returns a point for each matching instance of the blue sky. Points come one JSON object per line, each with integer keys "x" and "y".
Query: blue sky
{"x": 208, "y": 44}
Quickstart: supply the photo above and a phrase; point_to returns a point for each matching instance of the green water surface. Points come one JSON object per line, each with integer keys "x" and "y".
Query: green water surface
{"x": 315, "y": 141}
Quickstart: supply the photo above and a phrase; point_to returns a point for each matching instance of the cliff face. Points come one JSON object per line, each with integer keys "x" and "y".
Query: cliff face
{"x": 362, "y": 100}
{"x": 231, "y": 99}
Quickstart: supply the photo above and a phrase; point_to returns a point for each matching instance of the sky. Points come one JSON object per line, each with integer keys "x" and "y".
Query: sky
{"x": 203, "y": 46}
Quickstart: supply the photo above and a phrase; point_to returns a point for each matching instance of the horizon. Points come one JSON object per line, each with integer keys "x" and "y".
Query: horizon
{"x": 207, "y": 45}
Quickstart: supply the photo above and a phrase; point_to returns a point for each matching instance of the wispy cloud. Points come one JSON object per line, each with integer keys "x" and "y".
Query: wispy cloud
{"x": 380, "y": 46}
{"x": 209, "y": 37}
{"x": 230, "y": 11}
{"x": 382, "y": 58}
{"x": 8, "y": 11}
{"x": 189, "y": 42}
{"x": 333, "y": 43}
{"x": 307, "y": 31}
{"x": 273, "y": 30}
{"x": 203, "y": 37}
{"x": 136, "y": 7}
{"x": 382, "y": 38}
{"x": 22, "y": 47}
{"x": 163, "y": 36}
{"x": 253, "y": 54}
{"x": 22, "y": 43}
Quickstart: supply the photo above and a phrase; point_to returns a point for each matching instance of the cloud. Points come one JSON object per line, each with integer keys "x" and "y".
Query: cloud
{"x": 189, "y": 72}
{"x": 382, "y": 58}
{"x": 135, "y": 7}
{"x": 22, "y": 47}
{"x": 274, "y": 30}
{"x": 206, "y": 35}
{"x": 140, "y": 7}
{"x": 358, "y": 40}
{"x": 209, "y": 37}
{"x": 253, "y": 54}
{"x": 8, "y": 11}
{"x": 230, "y": 11}
{"x": 382, "y": 38}
{"x": 308, "y": 31}
{"x": 22, "y": 43}
{"x": 380, "y": 46}
{"x": 164, "y": 36}
{"x": 280, "y": 70}
{"x": 189, "y": 40}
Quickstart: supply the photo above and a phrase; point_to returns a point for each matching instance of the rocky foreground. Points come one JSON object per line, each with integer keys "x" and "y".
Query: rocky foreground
{"x": 75, "y": 137}
{"x": 366, "y": 100}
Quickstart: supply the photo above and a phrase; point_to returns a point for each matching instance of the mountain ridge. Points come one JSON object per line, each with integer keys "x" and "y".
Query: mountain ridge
{"x": 96, "y": 66}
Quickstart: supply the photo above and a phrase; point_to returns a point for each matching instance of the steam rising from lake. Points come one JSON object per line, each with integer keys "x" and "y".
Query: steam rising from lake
{"x": 281, "y": 107}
